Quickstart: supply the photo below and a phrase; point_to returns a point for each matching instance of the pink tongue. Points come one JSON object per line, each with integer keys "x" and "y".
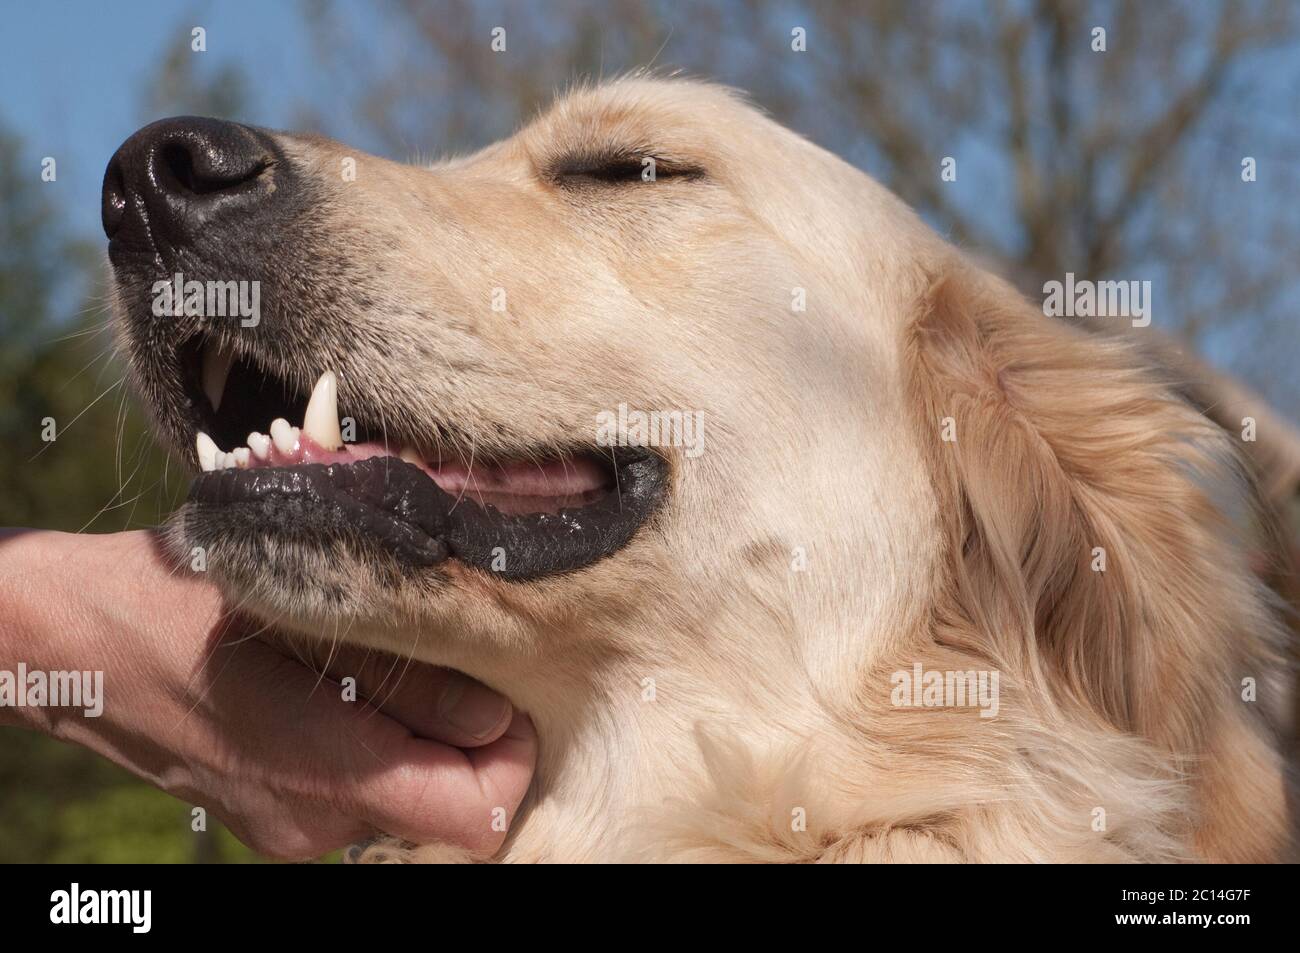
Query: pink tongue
{"x": 521, "y": 478}
{"x": 516, "y": 478}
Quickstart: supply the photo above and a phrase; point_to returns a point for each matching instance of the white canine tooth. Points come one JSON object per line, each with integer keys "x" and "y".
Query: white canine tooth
{"x": 283, "y": 436}
{"x": 240, "y": 455}
{"x": 207, "y": 451}
{"x": 216, "y": 368}
{"x": 410, "y": 456}
{"x": 321, "y": 421}
{"x": 260, "y": 444}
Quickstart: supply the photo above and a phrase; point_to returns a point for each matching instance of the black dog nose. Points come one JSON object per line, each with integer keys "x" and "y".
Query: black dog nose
{"x": 174, "y": 177}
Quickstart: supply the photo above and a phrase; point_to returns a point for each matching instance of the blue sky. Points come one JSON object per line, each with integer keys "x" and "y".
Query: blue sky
{"x": 75, "y": 75}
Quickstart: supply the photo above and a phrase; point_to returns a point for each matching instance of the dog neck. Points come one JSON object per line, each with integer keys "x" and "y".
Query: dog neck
{"x": 622, "y": 740}
{"x": 633, "y": 724}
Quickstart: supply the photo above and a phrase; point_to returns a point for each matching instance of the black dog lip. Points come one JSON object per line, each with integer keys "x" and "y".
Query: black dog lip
{"x": 375, "y": 501}
{"x": 421, "y": 524}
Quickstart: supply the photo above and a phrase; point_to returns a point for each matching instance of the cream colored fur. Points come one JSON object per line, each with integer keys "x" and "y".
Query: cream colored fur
{"x": 697, "y": 697}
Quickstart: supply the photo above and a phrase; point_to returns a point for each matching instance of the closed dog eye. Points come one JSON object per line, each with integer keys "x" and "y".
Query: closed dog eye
{"x": 619, "y": 168}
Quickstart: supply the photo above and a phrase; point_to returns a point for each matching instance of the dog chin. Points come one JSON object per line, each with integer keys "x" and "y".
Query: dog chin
{"x": 302, "y": 581}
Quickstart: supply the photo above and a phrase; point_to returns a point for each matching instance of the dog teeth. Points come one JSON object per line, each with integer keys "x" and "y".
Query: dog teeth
{"x": 207, "y": 451}
{"x": 260, "y": 445}
{"x": 410, "y": 456}
{"x": 284, "y": 436}
{"x": 216, "y": 368}
{"x": 321, "y": 421}
{"x": 320, "y": 424}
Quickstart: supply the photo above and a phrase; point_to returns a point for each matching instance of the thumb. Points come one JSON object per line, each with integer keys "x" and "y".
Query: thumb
{"x": 434, "y": 792}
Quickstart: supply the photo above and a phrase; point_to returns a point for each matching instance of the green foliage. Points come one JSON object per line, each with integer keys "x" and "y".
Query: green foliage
{"x": 74, "y": 807}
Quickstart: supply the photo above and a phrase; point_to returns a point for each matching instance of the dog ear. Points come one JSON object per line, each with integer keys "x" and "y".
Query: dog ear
{"x": 1089, "y": 515}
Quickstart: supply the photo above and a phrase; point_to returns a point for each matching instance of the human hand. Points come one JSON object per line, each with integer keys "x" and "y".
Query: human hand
{"x": 205, "y": 709}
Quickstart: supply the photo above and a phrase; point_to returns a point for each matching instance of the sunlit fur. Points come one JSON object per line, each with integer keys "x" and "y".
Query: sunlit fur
{"x": 720, "y": 690}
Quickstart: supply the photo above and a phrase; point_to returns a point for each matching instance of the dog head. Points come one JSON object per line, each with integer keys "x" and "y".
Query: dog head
{"x": 657, "y": 378}
{"x": 614, "y": 349}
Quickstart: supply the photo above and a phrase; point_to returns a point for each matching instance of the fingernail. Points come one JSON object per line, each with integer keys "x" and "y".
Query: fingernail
{"x": 472, "y": 708}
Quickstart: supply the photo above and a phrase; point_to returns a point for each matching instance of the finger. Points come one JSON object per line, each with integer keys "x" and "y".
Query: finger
{"x": 278, "y": 755}
{"x": 505, "y": 768}
{"x": 437, "y": 703}
{"x": 327, "y": 760}
{"x": 436, "y": 793}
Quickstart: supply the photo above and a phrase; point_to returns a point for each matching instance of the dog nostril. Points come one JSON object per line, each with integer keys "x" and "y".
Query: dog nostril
{"x": 211, "y": 173}
{"x": 176, "y": 160}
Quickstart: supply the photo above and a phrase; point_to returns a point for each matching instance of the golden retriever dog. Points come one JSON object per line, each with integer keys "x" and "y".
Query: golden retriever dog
{"x": 799, "y": 536}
